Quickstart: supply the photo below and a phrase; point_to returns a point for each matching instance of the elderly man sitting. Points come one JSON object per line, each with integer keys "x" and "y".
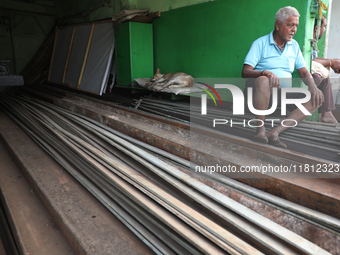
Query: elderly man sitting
{"x": 321, "y": 69}
{"x": 270, "y": 58}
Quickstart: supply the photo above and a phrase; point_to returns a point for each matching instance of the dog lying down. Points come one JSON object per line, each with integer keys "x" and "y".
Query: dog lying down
{"x": 170, "y": 80}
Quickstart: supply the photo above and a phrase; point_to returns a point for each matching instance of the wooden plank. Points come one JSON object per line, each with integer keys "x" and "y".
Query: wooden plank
{"x": 85, "y": 58}
{"x": 69, "y": 53}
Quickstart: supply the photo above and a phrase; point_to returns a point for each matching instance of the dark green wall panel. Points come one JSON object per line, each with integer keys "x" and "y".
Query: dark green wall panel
{"x": 212, "y": 39}
{"x": 141, "y": 42}
{"x": 134, "y": 52}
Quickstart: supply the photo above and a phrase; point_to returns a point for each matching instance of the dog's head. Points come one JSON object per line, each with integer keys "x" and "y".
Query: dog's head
{"x": 157, "y": 76}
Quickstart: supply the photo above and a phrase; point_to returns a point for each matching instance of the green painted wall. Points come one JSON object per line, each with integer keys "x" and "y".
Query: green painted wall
{"x": 201, "y": 37}
{"x": 134, "y": 52}
{"x": 212, "y": 39}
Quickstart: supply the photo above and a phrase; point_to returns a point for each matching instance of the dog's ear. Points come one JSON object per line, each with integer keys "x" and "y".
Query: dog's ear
{"x": 158, "y": 71}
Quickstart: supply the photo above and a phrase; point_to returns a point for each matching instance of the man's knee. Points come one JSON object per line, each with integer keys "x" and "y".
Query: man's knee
{"x": 317, "y": 78}
{"x": 326, "y": 87}
{"x": 262, "y": 84}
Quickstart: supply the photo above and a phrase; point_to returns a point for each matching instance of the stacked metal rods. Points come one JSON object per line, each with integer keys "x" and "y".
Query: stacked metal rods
{"x": 313, "y": 134}
{"x": 167, "y": 209}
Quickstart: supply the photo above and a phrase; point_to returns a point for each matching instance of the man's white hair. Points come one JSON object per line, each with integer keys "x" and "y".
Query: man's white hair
{"x": 284, "y": 13}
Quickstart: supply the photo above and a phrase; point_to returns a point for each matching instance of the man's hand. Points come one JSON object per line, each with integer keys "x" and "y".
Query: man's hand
{"x": 274, "y": 81}
{"x": 249, "y": 72}
{"x": 316, "y": 96}
{"x": 336, "y": 65}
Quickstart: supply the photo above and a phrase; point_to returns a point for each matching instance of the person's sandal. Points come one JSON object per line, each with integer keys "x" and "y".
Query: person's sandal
{"x": 260, "y": 139}
{"x": 275, "y": 141}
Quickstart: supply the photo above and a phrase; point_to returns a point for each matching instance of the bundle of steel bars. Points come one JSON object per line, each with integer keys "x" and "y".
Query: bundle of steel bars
{"x": 322, "y": 136}
{"x": 167, "y": 209}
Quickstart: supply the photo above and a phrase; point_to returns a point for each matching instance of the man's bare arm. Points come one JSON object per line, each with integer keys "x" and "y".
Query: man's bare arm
{"x": 333, "y": 63}
{"x": 249, "y": 72}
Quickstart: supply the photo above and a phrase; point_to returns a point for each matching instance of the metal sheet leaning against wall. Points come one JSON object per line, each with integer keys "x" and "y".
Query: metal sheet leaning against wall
{"x": 81, "y": 38}
{"x": 99, "y": 59}
{"x": 82, "y": 56}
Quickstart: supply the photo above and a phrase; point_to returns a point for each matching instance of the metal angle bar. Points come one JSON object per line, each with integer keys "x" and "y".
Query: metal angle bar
{"x": 289, "y": 138}
{"x": 163, "y": 114}
{"x": 114, "y": 208}
{"x": 175, "y": 212}
{"x": 126, "y": 137}
{"x": 298, "y": 129}
{"x": 157, "y": 111}
{"x": 67, "y": 125}
{"x": 34, "y": 136}
{"x": 283, "y": 233}
{"x": 320, "y": 220}
{"x": 315, "y": 141}
{"x": 135, "y": 227}
{"x": 122, "y": 203}
{"x": 87, "y": 118}
{"x": 201, "y": 241}
{"x": 301, "y": 125}
{"x": 327, "y": 222}
{"x": 230, "y": 217}
{"x": 166, "y": 107}
{"x": 271, "y": 227}
{"x": 151, "y": 188}
{"x": 177, "y": 104}
{"x": 319, "y": 217}
{"x": 150, "y": 223}
{"x": 162, "y": 215}
{"x": 291, "y": 132}
{"x": 102, "y": 156}
{"x": 302, "y": 214}
{"x": 111, "y": 194}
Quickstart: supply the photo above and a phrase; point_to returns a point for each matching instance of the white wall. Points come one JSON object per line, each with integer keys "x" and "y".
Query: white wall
{"x": 333, "y": 49}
